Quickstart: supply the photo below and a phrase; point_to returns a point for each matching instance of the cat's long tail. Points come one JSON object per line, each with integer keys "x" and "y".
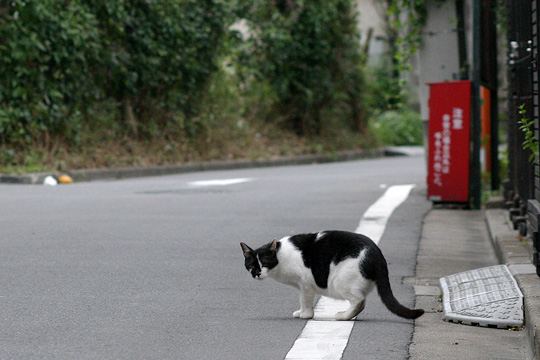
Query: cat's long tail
{"x": 387, "y": 297}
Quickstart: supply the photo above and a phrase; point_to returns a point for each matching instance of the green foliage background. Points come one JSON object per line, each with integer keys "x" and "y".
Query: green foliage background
{"x": 175, "y": 77}
{"x": 47, "y": 52}
{"x": 61, "y": 60}
{"x": 308, "y": 53}
{"x": 398, "y": 128}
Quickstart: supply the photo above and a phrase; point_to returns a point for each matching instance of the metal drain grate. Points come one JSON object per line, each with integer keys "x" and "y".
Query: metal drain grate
{"x": 487, "y": 297}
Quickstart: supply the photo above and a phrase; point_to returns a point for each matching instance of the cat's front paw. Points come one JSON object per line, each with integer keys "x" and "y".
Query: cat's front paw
{"x": 306, "y": 314}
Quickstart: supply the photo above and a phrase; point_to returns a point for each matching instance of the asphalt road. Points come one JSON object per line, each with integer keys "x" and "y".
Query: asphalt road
{"x": 151, "y": 268}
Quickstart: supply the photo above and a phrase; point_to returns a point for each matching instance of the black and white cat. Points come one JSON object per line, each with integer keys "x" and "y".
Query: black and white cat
{"x": 336, "y": 264}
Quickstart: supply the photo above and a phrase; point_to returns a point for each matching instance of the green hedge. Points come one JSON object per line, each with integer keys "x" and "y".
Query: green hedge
{"x": 308, "y": 52}
{"x": 399, "y": 127}
{"x": 142, "y": 65}
{"x": 60, "y": 59}
{"x": 47, "y": 52}
{"x": 158, "y": 56}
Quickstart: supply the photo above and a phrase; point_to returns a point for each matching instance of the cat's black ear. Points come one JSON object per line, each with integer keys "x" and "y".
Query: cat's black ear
{"x": 246, "y": 249}
{"x": 275, "y": 245}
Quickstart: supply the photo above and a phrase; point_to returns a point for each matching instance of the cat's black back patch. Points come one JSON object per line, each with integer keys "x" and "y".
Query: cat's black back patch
{"x": 319, "y": 250}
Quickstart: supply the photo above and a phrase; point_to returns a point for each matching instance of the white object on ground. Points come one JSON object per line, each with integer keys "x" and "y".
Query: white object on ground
{"x": 50, "y": 181}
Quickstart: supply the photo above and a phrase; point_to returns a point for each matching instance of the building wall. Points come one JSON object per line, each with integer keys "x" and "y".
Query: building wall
{"x": 371, "y": 15}
{"x": 438, "y": 58}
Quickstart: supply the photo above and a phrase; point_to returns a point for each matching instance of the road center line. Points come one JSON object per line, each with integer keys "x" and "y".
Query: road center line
{"x": 219, "y": 182}
{"x": 374, "y": 220}
{"x": 327, "y": 339}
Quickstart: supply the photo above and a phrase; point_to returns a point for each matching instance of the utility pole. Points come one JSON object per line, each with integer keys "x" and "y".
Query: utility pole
{"x": 475, "y": 174}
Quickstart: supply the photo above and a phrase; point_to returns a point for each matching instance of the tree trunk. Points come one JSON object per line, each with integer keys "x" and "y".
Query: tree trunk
{"x": 365, "y": 48}
{"x": 358, "y": 116}
{"x": 129, "y": 117}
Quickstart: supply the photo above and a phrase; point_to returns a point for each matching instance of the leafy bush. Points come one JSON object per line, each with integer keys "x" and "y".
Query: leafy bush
{"x": 526, "y": 125}
{"x": 384, "y": 91}
{"x": 399, "y": 128}
{"x": 81, "y": 72}
{"x": 308, "y": 53}
{"x": 158, "y": 56}
{"x": 47, "y": 49}
{"x": 59, "y": 60}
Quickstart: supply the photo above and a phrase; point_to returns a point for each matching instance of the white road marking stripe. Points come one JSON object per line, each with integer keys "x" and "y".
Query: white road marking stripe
{"x": 219, "y": 182}
{"x": 375, "y": 218}
{"x": 326, "y": 340}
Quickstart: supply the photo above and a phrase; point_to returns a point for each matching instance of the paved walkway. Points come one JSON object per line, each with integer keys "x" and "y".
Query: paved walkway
{"x": 454, "y": 241}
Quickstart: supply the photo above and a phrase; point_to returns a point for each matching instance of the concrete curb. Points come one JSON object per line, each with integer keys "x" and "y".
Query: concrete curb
{"x": 130, "y": 172}
{"x": 514, "y": 252}
{"x": 33, "y": 178}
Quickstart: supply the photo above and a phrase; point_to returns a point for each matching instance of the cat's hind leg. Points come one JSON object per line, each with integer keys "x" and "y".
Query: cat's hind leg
{"x": 356, "y": 308}
{"x": 356, "y": 296}
{"x": 306, "y": 304}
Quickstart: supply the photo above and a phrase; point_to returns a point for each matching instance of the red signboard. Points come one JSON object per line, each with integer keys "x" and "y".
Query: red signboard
{"x": 449, "y": 141}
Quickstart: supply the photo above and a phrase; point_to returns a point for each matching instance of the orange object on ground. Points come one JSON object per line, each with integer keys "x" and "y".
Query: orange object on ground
{"x": 65, "y": 179}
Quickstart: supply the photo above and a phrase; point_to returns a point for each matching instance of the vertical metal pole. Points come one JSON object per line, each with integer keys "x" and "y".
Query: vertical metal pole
{"x": 494, "y": 111}
{"x": 462, "y": 41}
{"x": 512, "y": 32}
{"x": 475, "y": 174}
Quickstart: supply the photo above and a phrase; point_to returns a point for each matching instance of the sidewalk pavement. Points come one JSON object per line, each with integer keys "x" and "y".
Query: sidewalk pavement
{"x": 458, "y": 240}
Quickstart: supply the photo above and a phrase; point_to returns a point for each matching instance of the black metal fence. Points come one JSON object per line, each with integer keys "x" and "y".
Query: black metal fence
{"x": 522, "y": 190}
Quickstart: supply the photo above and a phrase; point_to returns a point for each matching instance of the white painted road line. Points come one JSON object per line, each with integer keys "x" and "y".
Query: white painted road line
{"x": 327, "y": 339}
{"x": 375, "y": 218}
{"x": 219, "y": 182}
